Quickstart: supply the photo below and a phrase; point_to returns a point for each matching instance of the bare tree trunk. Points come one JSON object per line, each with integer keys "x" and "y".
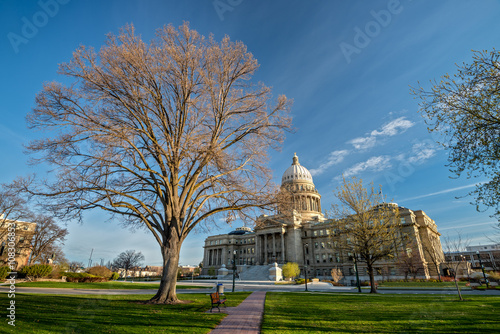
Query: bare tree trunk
{"x": 167, "y": 292}
{"x": 438, "y": 271}
{"x": 373, "y": 288}
{"x": 458, "y": 288}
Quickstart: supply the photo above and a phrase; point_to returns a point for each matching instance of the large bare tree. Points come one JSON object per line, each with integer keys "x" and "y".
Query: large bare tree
{"x": 165, "y": 134}
{"x": 47, "y": 239}
{"x": 365, "y": 225}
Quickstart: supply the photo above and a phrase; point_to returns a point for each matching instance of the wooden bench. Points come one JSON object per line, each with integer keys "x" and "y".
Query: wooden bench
{"x": 217, "y": 301}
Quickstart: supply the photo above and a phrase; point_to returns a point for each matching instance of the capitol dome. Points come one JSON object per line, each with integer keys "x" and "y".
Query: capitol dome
{"x": 296, "y": 172}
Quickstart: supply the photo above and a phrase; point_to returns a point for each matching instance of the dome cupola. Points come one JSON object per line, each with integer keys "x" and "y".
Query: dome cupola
{"x": 296, "y": 172}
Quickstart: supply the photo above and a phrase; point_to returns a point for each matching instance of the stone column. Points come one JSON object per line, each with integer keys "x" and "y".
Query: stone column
{"x": 274, "y": 246}
{"x": 265, "y": 248}
{"x": 257, "y": 250}
{"x": 282, "y": 246}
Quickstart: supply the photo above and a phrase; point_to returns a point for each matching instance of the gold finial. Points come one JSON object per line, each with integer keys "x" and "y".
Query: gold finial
{"x": 295, "y": 159}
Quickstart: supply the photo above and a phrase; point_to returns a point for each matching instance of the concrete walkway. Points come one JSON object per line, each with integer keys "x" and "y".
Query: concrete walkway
{"x": 245, "y": 318}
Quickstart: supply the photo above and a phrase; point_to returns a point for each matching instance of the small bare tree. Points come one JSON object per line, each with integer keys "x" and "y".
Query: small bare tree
{"x": 128, "y": 260}
{"x": 455, "y": 246}
{"x": 409, "y": 261}
{"x": 434, "y": 255}
{"x": 164, "y": 135}
{"x": 75, "y": 265}
{"x": 336, "y": 274}
{"x": 364, "y": 225}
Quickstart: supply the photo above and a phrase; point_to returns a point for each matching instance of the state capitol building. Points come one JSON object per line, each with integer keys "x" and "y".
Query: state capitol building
{"x": 304, "y": 237}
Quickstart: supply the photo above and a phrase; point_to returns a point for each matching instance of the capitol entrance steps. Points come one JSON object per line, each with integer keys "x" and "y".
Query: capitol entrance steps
{"x": 252, "y": 273}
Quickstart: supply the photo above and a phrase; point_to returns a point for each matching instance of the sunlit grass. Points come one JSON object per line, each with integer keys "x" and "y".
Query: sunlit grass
{"x": 112, "y": 314}
{"x": 351, "y": 313}
{"x": 102, "y": 285}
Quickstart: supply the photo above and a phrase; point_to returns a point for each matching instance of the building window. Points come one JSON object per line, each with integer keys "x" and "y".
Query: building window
{"x": 327, "y": 232}
{"x": 329, "y": 245}
{"x": 320, "y": 232}
{"x": 322, "y": 245}
{"x": 315, "y": 233}
{"x": 316, "y": 245}
{"x": 330, "y": 257}
{"x": 337, "y": 257}
{"x": 323, "y": 257}
{"x": 317, "y": 258}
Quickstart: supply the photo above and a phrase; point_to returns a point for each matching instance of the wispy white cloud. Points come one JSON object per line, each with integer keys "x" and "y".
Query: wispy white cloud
{"x": 491, "y": 223}
{"x": 422, "y": 152}
{"x": 334, "y": 158}
{"x": 397, "y": 126}
{"x": 445, "y": 191}
{"x": 375, "y": 164}
{"x": 362, "y": 143}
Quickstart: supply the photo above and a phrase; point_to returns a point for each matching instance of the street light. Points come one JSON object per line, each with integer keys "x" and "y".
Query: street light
{"x": 234, "y": 266}
{"x": 357, "y": 274}
{"x": 482, "y": 268}
{"x": 305, "y": 265}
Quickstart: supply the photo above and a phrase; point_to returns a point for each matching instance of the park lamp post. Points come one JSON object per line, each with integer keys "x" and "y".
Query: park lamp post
{"x": 234, "y": 266}
{"x": 482, "y": 268}
{"x": 305, "y": 265}
{"x": 357, "y": 274}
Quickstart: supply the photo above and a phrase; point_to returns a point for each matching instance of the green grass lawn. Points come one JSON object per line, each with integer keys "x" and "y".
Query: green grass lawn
{"x": 102, "y": 285}
{"x": 350, "y": 313}
{"x": 421, "y": 284}
{"x": 112, "y": 314}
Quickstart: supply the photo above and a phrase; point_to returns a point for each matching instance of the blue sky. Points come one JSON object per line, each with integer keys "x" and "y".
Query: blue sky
{"x": 348, "y": 65}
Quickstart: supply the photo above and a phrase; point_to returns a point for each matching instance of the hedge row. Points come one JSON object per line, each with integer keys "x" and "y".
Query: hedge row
{"x": 83, "y": 278}
{"x": 37, "y": 270}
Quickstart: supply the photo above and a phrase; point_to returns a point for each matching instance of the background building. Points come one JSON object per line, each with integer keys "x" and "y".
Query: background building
{"x": 304, "y": 236}
{"x": 24, "y": 233}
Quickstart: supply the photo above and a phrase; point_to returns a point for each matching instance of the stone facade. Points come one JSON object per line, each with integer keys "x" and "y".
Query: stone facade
{"x": 305, "y": 237}
{"x": 24, "y": 232}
